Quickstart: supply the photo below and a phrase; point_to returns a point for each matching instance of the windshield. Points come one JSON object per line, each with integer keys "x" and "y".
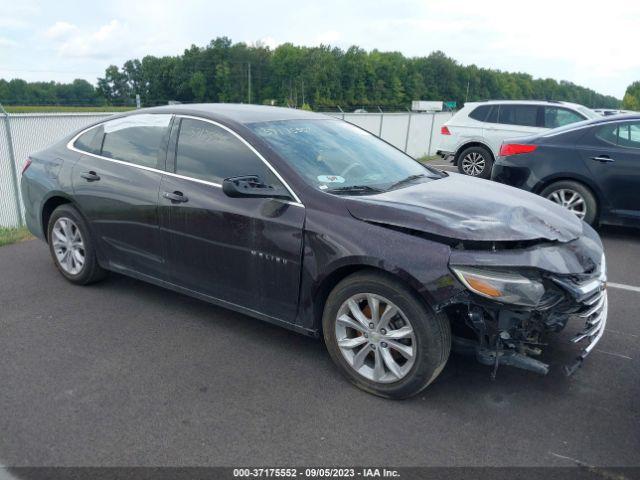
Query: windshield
{"x": 337, "y": 157}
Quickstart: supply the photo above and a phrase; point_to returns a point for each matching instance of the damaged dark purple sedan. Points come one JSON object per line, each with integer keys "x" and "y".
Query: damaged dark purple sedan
{"x": 311, "y": 223}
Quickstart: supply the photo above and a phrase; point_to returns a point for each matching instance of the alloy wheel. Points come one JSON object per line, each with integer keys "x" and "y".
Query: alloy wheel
{"x": 375, "y": 338}
{"x": 571, "y": 200}
{"x": 68, "y": 245}
{"x": 473, "y": 163}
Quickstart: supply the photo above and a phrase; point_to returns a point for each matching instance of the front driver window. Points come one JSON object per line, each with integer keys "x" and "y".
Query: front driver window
{"x": 209, "y": 152}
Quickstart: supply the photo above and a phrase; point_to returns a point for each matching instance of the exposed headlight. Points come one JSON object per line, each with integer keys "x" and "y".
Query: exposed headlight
{"x": 505, "y": 287}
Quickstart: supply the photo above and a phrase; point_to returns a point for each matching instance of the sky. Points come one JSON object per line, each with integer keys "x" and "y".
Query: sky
{"x": 594, "y": 44}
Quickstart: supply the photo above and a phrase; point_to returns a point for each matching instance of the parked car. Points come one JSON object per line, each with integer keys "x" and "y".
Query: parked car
{"x": 316, "y": 225}
{"x": 471, "y": 139}
{"x": 591, "y": 168}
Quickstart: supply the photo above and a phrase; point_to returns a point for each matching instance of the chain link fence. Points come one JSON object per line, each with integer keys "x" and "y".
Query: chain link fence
{"x": 26, "y": 133}
{"x": 23, "y": 134}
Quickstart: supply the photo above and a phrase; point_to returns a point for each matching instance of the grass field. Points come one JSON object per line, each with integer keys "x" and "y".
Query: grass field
{"x": 60, "y": 109}
{"x": 13, "y": 235}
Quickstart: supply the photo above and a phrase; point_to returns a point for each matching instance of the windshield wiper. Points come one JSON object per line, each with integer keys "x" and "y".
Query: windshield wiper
{"x": 409, "y": 179}
{"x": 354, "y": 189}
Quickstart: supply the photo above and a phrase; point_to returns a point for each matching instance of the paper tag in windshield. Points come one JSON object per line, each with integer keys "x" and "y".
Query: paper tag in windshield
{"x": 330, "y": 179}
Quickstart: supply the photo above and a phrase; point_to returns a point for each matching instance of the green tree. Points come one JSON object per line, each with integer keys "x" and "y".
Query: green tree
{"x": 198, "y": 86}
{"x": 631, "y": 100}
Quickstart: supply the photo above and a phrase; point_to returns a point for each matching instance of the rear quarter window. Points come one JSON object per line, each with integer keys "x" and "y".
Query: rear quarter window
{"x": 607, "y": 134}
{"x": 87, "y": 142}
{"x": 480, "y": 113}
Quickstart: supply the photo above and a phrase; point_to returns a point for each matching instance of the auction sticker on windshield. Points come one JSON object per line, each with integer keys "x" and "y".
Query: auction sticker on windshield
{"x": 330, "y": 179}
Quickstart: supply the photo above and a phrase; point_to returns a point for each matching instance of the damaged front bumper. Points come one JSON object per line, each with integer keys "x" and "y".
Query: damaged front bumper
{"x": 575, "y": 300}
{"x": 594, "y": 311}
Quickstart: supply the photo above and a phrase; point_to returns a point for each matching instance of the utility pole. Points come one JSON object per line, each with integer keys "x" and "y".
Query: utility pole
{"x": 303, "y": 91}
{"x": 249, "y": 78}
{"x": 466, "y": 98}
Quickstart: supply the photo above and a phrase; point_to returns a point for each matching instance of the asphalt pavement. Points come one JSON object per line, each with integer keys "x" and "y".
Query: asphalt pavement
{"x": 123, "y": 373}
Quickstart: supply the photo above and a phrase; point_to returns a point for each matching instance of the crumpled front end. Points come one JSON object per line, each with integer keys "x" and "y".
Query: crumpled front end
{"x": 515, "y": 300}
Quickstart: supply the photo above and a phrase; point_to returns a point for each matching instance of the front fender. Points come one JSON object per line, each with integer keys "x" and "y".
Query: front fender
{"x": 420, "y": 263}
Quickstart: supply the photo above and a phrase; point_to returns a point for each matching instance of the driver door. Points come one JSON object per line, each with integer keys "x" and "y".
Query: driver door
{"x": 241, "y": 251}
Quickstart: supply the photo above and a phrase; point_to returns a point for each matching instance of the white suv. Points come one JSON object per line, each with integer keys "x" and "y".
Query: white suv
{"x": 472, "y": 137}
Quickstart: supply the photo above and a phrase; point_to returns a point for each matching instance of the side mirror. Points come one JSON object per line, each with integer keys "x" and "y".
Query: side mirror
{"x": 252, "y": 186}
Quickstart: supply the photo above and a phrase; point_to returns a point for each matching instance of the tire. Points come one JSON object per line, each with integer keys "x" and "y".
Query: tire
{"x": 585, "y": 207}
{"x": 68, "y": 223}
{"x": 475, "y": 162}
{"x": 429, "y": 342}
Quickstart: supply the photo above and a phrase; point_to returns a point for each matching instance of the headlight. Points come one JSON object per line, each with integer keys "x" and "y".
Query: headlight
{"x": 603, "y": 268}
{"x": 505, "y": 287}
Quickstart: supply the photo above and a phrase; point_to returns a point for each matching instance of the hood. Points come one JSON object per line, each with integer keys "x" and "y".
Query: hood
{"x": 469, "y": 209}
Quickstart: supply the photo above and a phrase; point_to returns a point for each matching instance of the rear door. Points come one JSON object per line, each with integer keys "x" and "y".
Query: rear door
{"x": 116, "y": 185}
{"x": 244, "y": 251}
{"x": 512, "y": 120}
{"x": 612, "y": 154}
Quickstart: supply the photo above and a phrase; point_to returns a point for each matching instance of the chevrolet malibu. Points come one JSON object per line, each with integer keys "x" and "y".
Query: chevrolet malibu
{"x": 313, "y": 224}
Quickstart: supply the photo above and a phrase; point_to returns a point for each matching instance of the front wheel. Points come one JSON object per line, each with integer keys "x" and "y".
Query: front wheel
{"x": 382, "y": 337}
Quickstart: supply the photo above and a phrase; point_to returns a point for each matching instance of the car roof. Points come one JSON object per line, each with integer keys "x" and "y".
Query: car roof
{"x": 239, "y": 113}
{"x": 593, "y": 121}
{"x": 526, "y": 102}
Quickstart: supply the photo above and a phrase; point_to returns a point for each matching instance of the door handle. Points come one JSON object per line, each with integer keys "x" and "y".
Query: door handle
{"x": 603, "y": 159}
{"x": 175, "y": 197}
{"x": 90, "y": 176}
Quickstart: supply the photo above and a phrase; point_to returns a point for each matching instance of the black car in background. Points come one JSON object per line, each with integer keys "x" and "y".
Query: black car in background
{"x": 316, "y": 225}
{"x": 591, "y": 168}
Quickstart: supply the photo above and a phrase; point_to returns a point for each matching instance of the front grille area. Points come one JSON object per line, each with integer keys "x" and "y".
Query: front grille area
{"x": 595, "y": 314}
{"x": 594, "y": 307}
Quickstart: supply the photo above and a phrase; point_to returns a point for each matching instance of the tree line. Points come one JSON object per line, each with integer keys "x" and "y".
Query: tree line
{"x": 321, "y": 77}
{"x": 631, "y": 100}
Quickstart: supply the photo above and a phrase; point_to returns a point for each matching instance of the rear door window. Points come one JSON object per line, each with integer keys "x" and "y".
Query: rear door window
{"x": 208, "y": 152}
{"x": 555, "y": 117}
{"x": 629, "y": 135}
{"x": 523, "y": 115}
{"x": 136, "y": 139}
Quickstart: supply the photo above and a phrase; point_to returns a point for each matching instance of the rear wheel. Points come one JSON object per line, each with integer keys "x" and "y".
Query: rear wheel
{"x": 476, "y": 162}
{"x": 71, "y": 246}
{"x": 575, "y": 197}
{"x": 382, "y": 337}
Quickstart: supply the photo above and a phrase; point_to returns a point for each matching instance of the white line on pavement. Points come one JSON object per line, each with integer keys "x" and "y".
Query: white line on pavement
{"x": 622, "y": 286}
{"x": 622, "y": 333}
{"x": 614, "y": 354}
